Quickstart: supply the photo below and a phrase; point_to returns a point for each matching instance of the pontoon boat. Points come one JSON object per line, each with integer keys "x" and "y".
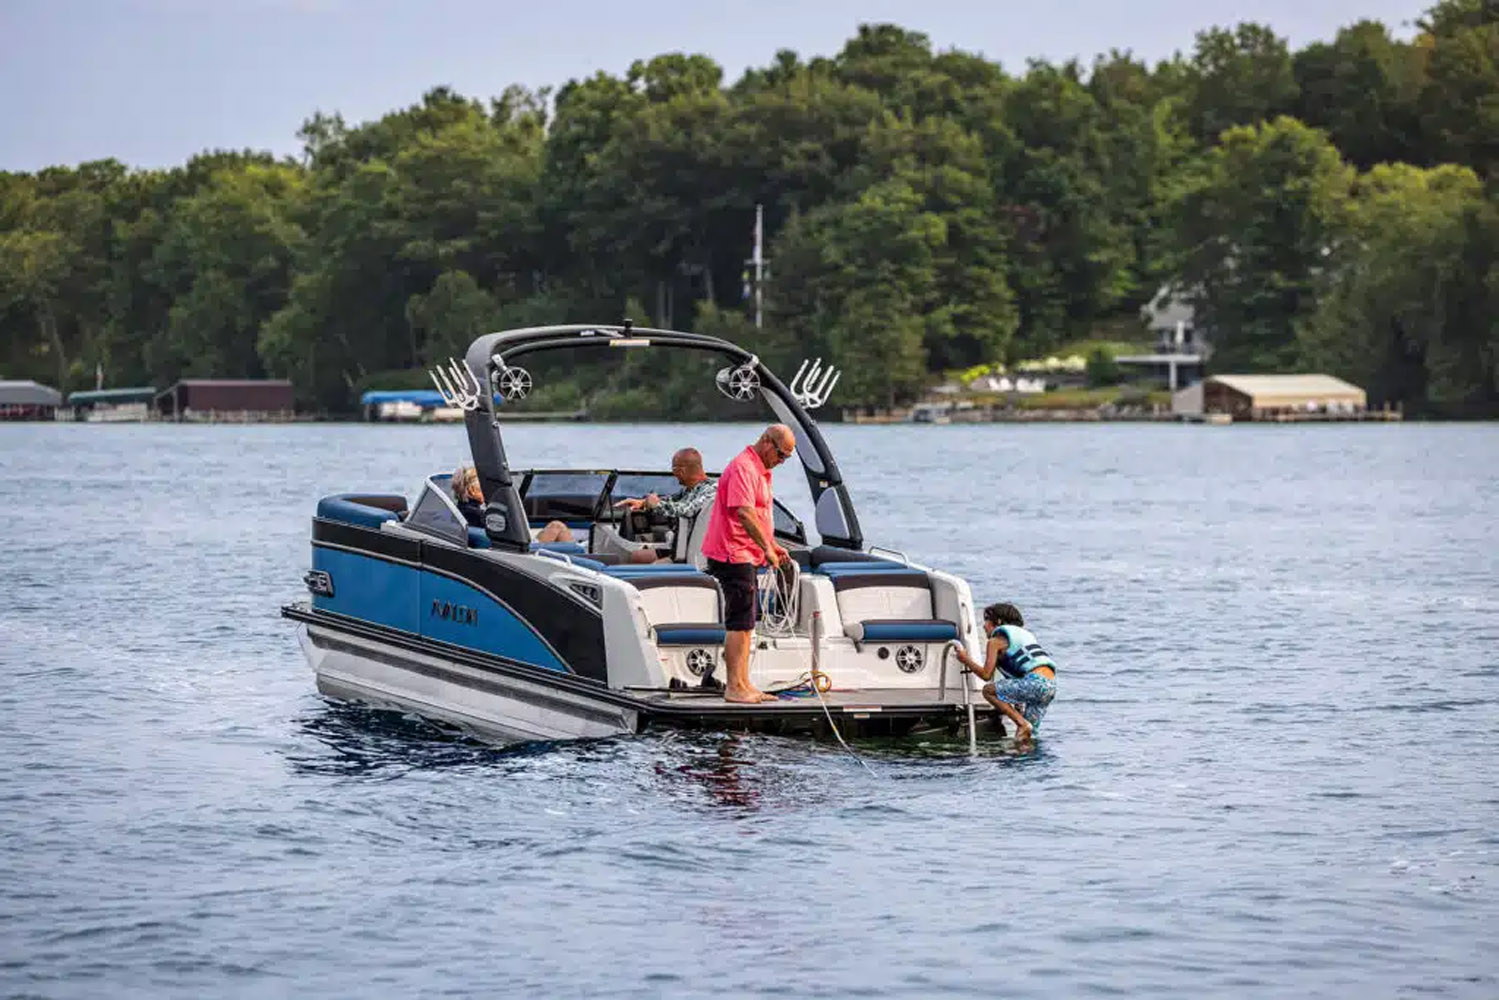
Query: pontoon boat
{"x": 411, "y": 607}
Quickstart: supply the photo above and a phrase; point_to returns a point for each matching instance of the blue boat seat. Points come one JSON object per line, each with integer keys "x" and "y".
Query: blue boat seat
{"x": 840, "y": 568}
{"x": 653, "y": 569}
{"x": 672, "y": 594}
{"x": 902, "y": 630}
{"x": 367, "y": 510}
{"x": 886, "y": 602}
{"x": 688, "y": 634}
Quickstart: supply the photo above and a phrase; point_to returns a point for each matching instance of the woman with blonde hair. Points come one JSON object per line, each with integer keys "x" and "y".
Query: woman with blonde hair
{"x": 470, "y": 499}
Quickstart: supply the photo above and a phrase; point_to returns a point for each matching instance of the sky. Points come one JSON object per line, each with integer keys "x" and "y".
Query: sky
{"x": 151, "y": 82}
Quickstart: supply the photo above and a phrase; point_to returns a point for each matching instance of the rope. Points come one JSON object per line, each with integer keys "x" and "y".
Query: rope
{"x": 834, "y": 726}
{"x": 805, "y": 685}
{"x": 780, "y": 610}
{"x": 779, "y": 595}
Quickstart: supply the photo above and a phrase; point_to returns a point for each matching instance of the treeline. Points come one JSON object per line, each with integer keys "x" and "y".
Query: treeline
{"x": 1334, "y": 208}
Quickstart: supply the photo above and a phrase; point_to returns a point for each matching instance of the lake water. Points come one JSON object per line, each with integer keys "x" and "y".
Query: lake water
{"x": 1272, "y": 768}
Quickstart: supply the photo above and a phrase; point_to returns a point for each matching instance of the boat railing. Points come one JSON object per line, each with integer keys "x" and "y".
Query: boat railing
{"x": 894, "y": 552}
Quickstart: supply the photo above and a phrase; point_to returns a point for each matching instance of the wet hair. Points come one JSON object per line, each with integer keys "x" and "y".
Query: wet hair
{"x": 1004, "y": 614}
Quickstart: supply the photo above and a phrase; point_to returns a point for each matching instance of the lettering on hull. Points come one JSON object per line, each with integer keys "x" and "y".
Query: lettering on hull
{"x": 460, "y": 614}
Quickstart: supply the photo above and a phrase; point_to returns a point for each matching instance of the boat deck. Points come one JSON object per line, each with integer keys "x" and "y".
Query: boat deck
{"x": 875, "y": 711}
{"x": 862, "y": 712}
{"x": 851, "y": 701}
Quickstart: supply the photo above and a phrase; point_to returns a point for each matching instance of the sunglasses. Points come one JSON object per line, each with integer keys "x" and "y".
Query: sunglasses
{"x": 785, "y": 453}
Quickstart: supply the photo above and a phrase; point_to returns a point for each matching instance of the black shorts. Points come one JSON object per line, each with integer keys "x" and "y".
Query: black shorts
{"x": 739, "y": 594}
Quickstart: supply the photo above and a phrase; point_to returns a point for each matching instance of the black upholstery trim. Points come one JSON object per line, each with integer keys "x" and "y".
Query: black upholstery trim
{"x": 895, "y": 578}
{"x": 376, "y": 543}
{"x": 907, "y": 621}
{"x": 827, "y": 553}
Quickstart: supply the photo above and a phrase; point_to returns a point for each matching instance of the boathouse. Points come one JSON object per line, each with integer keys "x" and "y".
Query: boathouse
{"x": 205, "y": 399}
{"x": 113, "y": 405}
{"x": 1283, "y": 397}
{"x": 28, "y": 401}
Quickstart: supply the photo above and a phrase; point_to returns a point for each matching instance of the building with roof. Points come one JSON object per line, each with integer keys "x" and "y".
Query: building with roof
{"x": 1275, "y": 397}
{"x": 27, "y": 400}
{"x": 1180, "y": 348}
{"x": 113, "y": 405}
{"x": 227, "y": 399}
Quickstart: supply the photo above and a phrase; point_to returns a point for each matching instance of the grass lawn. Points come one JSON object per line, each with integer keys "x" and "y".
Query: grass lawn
{"x": 1089, "y": 399}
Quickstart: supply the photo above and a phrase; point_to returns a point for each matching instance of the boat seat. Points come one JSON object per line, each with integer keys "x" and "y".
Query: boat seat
{"x": 902, "y": 630}
{"x": 691, "y": 634}
{"x": 887, "y": 603}
{"x": 605, "y": 538}
{"x": 687, "y": 542}
{"x": 363, "y": 509}
{"x": 673, "y": 595}
{"x": 835, "y": 569}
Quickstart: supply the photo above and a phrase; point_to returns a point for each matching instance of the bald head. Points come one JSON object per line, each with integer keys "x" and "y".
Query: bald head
{"x": 687, "y": 466}
{"x": 775, "y": 445}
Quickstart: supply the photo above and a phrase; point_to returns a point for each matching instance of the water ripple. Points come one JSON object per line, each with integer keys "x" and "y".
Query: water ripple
{"x": 1247, "y": 786}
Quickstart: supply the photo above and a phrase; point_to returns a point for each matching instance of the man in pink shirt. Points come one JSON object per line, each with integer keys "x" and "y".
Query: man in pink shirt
{"x": 740, "y": 538}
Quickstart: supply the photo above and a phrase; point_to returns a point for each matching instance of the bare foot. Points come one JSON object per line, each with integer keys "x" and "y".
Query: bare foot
{"x": 747, "y": 696}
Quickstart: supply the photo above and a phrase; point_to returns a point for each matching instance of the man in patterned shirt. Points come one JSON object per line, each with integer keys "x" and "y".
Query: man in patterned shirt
{"x": 696, "y": 493}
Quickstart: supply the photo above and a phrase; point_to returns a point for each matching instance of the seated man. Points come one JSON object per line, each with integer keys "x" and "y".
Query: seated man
{"x": 695, "y": 495}
{"x": 470, "y": 501}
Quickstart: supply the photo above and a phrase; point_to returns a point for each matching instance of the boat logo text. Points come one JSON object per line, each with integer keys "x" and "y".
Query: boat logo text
{"x": 460, "y": 613}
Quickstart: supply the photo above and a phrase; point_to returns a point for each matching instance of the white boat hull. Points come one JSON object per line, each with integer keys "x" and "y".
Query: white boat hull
{"x": 508, "y": 708}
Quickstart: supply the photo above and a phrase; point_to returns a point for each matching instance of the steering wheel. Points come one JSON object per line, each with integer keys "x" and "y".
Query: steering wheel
{"x": 634, "y": 523}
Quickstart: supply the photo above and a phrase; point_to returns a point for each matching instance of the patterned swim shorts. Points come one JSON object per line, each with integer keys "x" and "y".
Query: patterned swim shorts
{"x": 1030, "y": 694}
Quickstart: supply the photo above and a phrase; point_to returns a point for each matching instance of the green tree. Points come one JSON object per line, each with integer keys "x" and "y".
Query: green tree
{"x": 1102, "y": 368}
{"x": 1363, "y": 89}
{"x": 224, "y": 258}
{"x": 1237, "y": 77}
{"x": 1256, "y": 224}
{"x": 1411, "y": 311}
{"x": 445, "y": 320}
{"x": 862, "y": 289}
{"x": 1460, "y": 102}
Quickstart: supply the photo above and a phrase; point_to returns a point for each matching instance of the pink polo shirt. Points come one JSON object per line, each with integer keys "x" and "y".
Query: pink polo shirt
{"x": 745, "y": 483}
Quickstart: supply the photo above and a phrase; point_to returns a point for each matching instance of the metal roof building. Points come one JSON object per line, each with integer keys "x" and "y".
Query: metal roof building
{"x": 113, "y": 405}
{"x": 27, "y": 400}
{"x": 232, "y": 399}
{"x": 1251, "y": 397}
{"x": 94, "y": 397}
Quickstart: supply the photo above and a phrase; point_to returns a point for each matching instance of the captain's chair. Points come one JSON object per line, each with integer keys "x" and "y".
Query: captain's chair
{"x": 687, "y": 543}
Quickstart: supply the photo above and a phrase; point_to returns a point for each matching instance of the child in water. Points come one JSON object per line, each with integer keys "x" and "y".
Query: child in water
{"x": 1030, "y": 681}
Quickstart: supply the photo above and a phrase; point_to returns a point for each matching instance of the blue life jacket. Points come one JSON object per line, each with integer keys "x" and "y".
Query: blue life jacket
{"x": 1024, "y": 653}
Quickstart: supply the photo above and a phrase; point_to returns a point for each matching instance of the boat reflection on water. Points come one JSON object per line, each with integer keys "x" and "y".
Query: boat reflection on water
{"x": 349, "y": 739}
{"x": 721, "y": 767}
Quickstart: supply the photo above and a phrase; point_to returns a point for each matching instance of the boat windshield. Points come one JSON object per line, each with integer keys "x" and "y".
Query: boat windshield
{"x": 577, "y": 497}
{"x": 569, "y": 496}
{"x": 638, "y": 484}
